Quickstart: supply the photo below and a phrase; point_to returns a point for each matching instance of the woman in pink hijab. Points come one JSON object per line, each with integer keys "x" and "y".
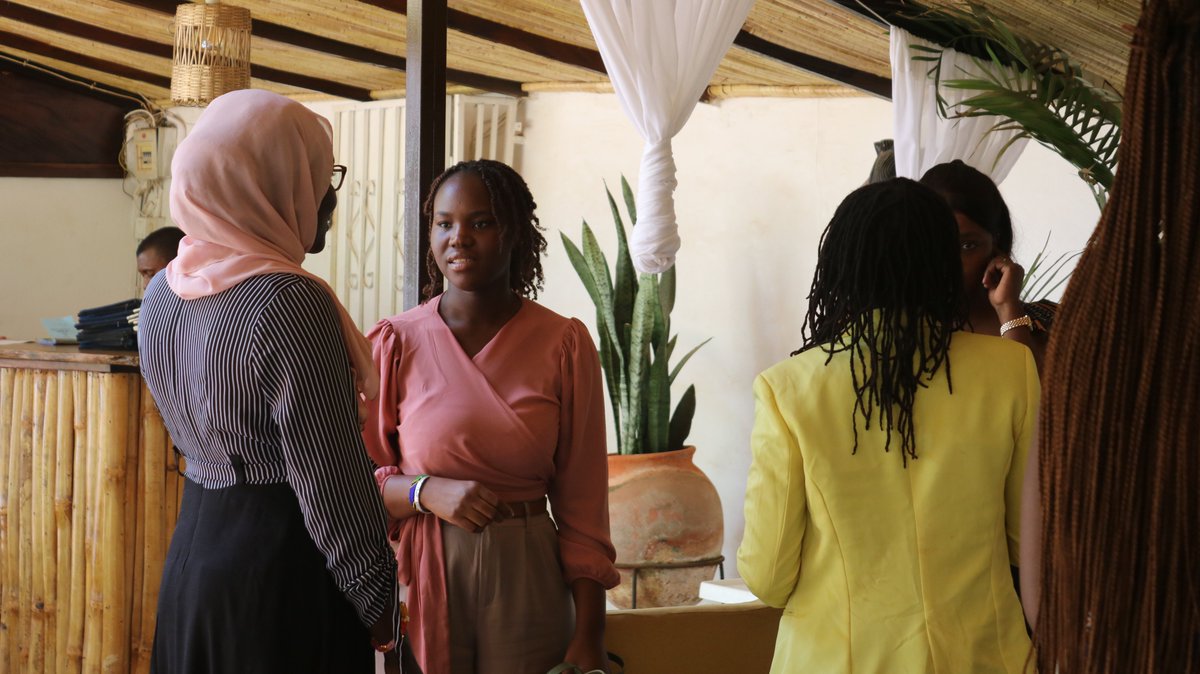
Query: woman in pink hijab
{"x": 279, "y": 561}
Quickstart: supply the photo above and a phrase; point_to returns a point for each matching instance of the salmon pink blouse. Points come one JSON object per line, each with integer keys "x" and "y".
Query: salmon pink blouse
{"x": 524, "y": 417}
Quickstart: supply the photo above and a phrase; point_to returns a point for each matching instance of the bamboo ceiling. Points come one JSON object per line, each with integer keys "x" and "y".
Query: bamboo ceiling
{"x": 355, "y": 49}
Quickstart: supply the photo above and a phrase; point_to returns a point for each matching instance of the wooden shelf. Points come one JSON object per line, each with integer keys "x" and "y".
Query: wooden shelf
{"x": 41, "y": 357}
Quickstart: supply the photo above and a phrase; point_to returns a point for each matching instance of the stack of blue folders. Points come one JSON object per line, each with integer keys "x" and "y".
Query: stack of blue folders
{"x": 112, "y": 326}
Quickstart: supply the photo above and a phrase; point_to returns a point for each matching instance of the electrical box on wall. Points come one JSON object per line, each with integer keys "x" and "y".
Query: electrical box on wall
{"x": 143, "y": 161}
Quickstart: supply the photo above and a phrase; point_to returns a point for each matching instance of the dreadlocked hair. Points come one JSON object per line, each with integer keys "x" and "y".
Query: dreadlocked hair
{"x": 887, "y": 290}
{"x": 1120, "y": 423}
{"x": 513, "y": 205}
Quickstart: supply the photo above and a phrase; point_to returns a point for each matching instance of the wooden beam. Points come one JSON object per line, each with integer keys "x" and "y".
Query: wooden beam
{"x": 868, "y": 10}
{"x": 494, "y": 31}
{"x": 294, "y": 37}
{"x": 424, "y": 132}
{"x": 906, "y": 15}
{"x": 485, "y": 82}
{"x": 84, "y": 85}
{"x": 298, "y": 38}
{"x": 563, "y": 52}
{"x": 50, "y": 51}
{"x": 46, "y": 170}
{"x": 863, "y": 81}
{"x": 315, "y": 83}
{"x": 88, "y": 31}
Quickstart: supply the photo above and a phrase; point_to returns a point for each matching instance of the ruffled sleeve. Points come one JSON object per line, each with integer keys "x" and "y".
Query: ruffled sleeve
{"x": 579, "y": 491}
{"x": 380, "y": 433}
{"x": 420, "y": 560}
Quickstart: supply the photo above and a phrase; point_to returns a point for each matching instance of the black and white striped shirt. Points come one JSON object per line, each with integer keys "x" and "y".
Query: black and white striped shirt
{"x": 260, "y": 372}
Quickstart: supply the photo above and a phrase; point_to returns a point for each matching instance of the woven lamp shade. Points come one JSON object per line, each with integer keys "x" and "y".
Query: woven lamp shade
{"x": 212, "y": 52}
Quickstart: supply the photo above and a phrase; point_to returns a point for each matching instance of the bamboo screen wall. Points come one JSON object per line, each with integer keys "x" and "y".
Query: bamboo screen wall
{"x": 89, "y": 494}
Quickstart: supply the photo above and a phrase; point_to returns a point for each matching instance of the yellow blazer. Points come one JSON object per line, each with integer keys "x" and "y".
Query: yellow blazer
{"x": 882, "y": 568}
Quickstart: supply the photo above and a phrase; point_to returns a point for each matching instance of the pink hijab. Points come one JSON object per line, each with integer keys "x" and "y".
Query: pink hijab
{"x": 245, "y": 186}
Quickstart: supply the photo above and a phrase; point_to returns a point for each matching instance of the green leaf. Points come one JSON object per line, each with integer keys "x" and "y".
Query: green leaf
{"x": 594, "y": 259}
{"x": 659, "y": 403}
{"x": 660, "y": 330}
{"x": 639, "y": 349}
{"x": 631, "y": 424}
{"x": 671, "y": 346}
{"x": 598, "y": 265}
{"x": 1032, "y": 270}
{"x": 607, "y": 358}
{"x": 1044, "y": 276}
{"x": 630, "y": 202}
{"x": 688, "y": 356}
{"x": 1046, "y": 282}
{"x": 681, "y": 420}
{"x": 590, "y": 264}
{"x": 666, "y": 290}
{"x": 626, "y": 277}
{"x": 581, "y": 268}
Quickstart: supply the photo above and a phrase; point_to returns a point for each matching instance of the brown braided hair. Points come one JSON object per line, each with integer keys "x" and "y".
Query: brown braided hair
{"x": 1120, "y": 425}
{"x": 513, "y": 206}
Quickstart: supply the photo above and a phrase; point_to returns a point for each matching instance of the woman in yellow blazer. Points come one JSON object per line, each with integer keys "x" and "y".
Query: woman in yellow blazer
{"x": 883, "y": 503}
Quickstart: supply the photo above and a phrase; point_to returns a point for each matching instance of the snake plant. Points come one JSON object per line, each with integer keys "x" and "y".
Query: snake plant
{"x": 633, "y": 317}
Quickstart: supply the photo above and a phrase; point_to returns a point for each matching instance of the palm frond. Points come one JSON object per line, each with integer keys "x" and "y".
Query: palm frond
{"x": 1036, "y": 89}
{"x": 1045, "y": 275}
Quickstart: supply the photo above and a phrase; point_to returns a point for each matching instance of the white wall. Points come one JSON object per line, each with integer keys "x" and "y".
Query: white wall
{"x": 65, "y": 244}
{"x": 758, "y": 181}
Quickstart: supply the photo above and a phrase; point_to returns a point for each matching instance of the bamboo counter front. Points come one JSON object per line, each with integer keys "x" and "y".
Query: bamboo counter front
{"x": 89, "y": 493}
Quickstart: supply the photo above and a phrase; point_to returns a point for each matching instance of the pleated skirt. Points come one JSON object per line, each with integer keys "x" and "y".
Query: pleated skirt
{"x": 245, "y": 589}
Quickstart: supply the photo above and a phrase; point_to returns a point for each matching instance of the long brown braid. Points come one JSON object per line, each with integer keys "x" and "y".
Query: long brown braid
{"x": 1120, "y": 425}
{"x": 513, "y": 206}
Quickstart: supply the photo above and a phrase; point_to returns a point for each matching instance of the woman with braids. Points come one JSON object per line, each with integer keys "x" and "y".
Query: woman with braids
{"x": 491, "y": 404}
{"x": 991, "y": 278}
{"x": 882, "y": 505}
{"x": 1119, "y": 467}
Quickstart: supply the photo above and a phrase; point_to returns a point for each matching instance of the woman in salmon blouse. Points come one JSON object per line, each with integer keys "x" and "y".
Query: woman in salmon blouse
{"x": 491, "y": 404}
{"x": 883, "y": 502}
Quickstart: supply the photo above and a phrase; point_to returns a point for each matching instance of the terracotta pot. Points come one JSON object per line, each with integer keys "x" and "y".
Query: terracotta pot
{"x": 662, "y": 510}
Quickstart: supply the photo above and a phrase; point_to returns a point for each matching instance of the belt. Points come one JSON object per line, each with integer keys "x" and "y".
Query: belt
{"x": 526, "y": 508}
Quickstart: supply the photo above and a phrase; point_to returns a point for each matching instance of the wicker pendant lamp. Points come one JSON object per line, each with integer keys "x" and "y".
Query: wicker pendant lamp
{"x": 212, "y": 52}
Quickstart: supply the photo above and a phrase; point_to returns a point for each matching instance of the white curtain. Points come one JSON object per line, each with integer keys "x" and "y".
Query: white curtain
{"x": 924, "y": 139}
{"x": 660, "y": 56}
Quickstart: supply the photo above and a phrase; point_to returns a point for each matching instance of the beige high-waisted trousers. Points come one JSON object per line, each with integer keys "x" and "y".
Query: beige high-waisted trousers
{"x": 511, "y": 611}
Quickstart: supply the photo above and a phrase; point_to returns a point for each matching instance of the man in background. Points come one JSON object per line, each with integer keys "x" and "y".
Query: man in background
{"x": 156, "y": 250}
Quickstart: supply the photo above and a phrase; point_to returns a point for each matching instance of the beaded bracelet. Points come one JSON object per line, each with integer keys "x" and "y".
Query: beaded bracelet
{"x": 414, "y": 493}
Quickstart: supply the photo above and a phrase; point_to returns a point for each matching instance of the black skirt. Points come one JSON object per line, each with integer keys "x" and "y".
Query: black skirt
{"x": 245, "y": 589}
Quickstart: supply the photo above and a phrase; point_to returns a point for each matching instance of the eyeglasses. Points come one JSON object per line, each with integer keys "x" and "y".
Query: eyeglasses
{"x": 338, "y": 176}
